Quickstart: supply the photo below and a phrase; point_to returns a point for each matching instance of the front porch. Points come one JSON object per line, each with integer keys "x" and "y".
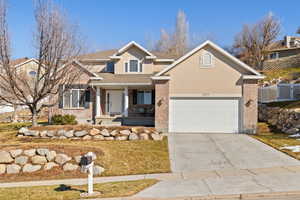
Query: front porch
{"x": 125, "y": 105}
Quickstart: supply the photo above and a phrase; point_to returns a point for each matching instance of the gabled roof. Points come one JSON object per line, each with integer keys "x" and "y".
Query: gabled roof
{"x": 130, "y": 44}
{"x": 216, "y": 47}
{"x": 22, "y": 61}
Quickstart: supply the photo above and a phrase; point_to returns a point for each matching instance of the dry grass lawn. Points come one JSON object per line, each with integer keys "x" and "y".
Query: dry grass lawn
{"x": 276, "y": 140}
{"x": 117, "y": 157}
{"x": 63, "y": 192}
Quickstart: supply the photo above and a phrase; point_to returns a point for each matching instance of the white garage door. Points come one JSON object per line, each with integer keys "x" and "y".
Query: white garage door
{"x": 207, "y": 115}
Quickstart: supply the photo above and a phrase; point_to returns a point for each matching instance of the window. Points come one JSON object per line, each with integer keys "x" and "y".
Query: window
{"x": 274, "y": 55}
{"x": 144, "y": 97}
{"x": 32, "y": 73}
{"x": 110, "y": 67}
{"x": 74, "y": 98}
{"x": 207, "y": 59}
{"x": 133, "y": 66}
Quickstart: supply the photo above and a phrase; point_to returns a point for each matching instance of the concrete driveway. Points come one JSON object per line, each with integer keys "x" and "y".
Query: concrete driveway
{"x": 206, "y": 152}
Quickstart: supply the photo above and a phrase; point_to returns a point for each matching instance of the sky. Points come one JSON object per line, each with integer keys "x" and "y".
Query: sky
{"x": 108, "y": 24}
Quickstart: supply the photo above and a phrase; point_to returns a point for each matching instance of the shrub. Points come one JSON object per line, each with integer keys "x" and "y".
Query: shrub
{"x": 63, "y": 120}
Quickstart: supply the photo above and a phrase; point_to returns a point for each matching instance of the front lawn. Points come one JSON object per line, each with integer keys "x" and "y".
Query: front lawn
{"x": 111, "y": 189}
{"x": 277, "y": 140}
{"x": 117, "y": 157}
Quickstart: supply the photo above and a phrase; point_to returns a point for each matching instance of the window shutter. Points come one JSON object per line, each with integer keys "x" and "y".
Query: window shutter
{"x": 60, "y": 96}
{"x": 87, "y": 98}
{"x": 126, "y": 67}
{"x": 153, "y": 97}
{"x": 134, "y": 97}
{"x": 141, "y": 67}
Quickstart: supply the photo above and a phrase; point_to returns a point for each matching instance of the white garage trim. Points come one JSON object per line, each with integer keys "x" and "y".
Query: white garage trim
{"x": 185, "y": 114}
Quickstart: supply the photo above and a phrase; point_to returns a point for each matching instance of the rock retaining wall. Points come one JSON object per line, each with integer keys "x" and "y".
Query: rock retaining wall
{"x": 286, "y": 120}
{"x": 95, "y": 133}
{"x": 31, "y": 160}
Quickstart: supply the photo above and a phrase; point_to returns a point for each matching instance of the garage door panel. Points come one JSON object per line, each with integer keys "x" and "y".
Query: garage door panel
{"x": 204, "y": 115}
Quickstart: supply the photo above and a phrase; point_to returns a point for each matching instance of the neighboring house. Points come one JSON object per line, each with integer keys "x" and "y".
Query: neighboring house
{"x": 283, "y": 54}
{"x": 24, "y": 65}
{"x": 206, "y": 90}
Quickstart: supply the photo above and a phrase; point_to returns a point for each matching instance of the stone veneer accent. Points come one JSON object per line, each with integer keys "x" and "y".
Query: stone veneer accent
{"x": 250, "y": 92}
{"x": 162, "y": 105}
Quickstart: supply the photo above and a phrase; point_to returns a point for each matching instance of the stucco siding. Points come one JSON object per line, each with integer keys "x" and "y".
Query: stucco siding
{"x": 190, "y": 77}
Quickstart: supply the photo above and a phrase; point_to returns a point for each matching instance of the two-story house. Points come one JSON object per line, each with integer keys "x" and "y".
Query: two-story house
{"x": 206, "y": 90}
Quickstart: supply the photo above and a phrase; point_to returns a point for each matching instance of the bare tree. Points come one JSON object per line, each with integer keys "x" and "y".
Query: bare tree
{"x": 176, "y": 43}
{"x": 254, "y": 40}
{"x": 57, "y": 43}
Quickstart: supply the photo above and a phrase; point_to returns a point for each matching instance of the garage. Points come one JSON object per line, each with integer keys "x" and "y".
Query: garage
{"x": 206, "y": 115}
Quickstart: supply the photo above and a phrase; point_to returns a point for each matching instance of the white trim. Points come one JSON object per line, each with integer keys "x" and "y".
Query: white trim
{"x": 96, "y": 78}
{"x": 71, "y": 98}
{"x": 27, "y": 61}
{"x": 115, "y": 57}
{"x": 164, "y": 60}
{"x": 119, "y": 84}
{"x": 127, "y": 46}
{"x": 253, "y": 77}
{"x": 128, "y": 65}
{"x": 245, "y": 66}
{"x": 150, "y": 57}
{"x": 160, "y": 78}
{"x": 126, "y": 102}
{"x": 98, "y": 102}
{"x": 202, "y": 64}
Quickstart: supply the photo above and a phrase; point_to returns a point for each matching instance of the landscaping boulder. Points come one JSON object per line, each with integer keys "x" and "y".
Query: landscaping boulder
{"x": 16, "y": 152}
{"x": 77, "y": 159}
{"x": 60, "y": 132}
{"x": 50, "y": 155}
{"x": 125, "y": 132}
{"x": 30, "y": 152}
{"x": 32, "y": 133}
{"x": 80, "y": 133}
{"x": 23, "y": 130}
{"x": 94, "y": 131}
{"x": 114, "y": 133}
{"x": 97, "y": 170}
{"x": 109, "y": 138}
{"x": 38, "y": 160}
{"x": 42, "y": 151}
{"x": 122, "y": 137}
{"x": 105, "y": 133}
{"x": 5, "y": 157}
{"x": 43, "y": 134}
{"x": 70, "y": 167}
{"x": 50, "y": 165}
{"x": 50, "y": 133}
{"x": 13, "y": 169}
{"x": 133, "y": 136}
{"x": 87, "y": 137}
{"x": 69, "y": 134}
{"x": 21, "y": 160}
{"x": 31, "y": 168}
{"x": 144, "y": 136}
{"x": 2, "y": 168}
{"x": 62, "y": 158}
{"x": 157, "y": 136}
{"x": 292, "y": 131}
{"x": 137, "y": 130}
{"x": 98, "y": 137}
{"x": 62, "y": 137}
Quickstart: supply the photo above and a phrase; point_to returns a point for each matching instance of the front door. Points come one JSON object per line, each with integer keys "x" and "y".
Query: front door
{"x": 114, "y": 99}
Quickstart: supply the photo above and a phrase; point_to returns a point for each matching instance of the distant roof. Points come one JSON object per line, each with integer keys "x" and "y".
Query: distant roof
{"x": 107, "y": 53}
{"x": 19, "y": 61}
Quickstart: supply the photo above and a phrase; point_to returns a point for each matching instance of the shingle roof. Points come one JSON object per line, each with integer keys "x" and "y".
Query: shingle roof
{"x": 107, "y": 53}
{"x": 18, "y": 61}
{"x": 124, "y": 78}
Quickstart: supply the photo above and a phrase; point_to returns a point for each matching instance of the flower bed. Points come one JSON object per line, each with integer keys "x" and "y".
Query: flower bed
{"x": 92, "y": 133}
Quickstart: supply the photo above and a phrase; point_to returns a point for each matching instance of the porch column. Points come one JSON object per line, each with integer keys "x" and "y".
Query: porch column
{"x": 126, "y": 102}
{"x": 98, "y": 102}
